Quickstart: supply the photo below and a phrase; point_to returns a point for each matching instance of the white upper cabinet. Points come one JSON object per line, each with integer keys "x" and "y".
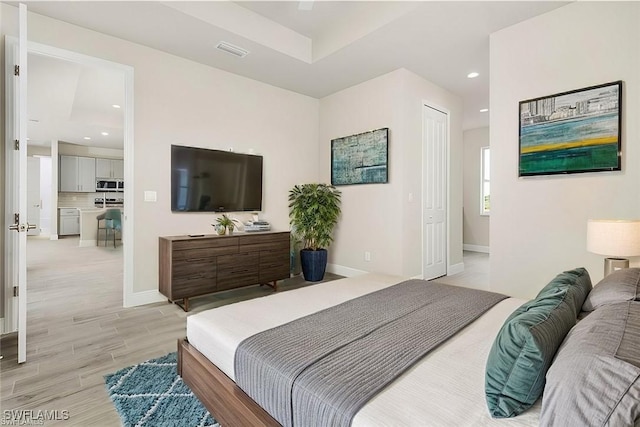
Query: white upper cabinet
{"x": 110, "y": 168}
{"x": 77, "y": 174}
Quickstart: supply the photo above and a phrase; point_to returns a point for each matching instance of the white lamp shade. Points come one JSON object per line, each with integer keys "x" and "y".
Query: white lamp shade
{"x": 617, "y": 238}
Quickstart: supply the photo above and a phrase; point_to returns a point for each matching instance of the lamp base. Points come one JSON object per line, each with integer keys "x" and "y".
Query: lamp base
{"x": 613, "y": 264}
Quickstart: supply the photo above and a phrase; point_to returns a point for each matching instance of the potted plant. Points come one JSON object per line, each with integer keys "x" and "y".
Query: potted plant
{"x": 226, "y": 222}
{"x": 313, "y": 211}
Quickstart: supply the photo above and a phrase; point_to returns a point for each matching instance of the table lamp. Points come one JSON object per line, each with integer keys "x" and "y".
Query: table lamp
{"x": 614, "y": 238}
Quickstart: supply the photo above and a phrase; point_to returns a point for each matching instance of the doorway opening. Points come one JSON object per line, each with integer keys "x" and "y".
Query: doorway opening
{"x": 70, "y": 124}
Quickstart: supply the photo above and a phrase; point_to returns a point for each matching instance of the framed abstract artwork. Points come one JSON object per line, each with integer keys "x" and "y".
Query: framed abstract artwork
{"x": 361, "y": 158}
{"x": 571, "y": 132}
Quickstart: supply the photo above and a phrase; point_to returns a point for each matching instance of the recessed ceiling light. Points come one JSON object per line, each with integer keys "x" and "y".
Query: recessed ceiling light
{"x": 105, "y": 133}
{"x": 473, "y": 75}
{"x": 115, "y": 106}
{"x": 484, "y": 110}
{"x": 87, "y": 137}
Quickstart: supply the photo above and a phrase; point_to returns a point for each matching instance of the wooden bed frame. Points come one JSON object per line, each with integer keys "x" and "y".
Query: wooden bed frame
{"x": 226, "y": 402}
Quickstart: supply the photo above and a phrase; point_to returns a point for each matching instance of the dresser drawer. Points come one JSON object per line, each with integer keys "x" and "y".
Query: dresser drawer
{"x": 214, "y": 242}
{"x": 237, "y": 279}
{"x": 190, "y": 266}
{"x": 271, "y": 258}
{"x": 194, "y": 284}
{"x": 238, "y": 270}
{"x": 202, "y": 253}
{"x": 277, "y": 241}
{"x": 242, "y": 259}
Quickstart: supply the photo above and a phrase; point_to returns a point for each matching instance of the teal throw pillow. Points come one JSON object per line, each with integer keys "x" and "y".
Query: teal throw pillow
{"x": 528, "y": 341}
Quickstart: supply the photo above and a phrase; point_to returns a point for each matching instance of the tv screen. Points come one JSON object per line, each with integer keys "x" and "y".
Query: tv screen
{"x": 204, "y": 180}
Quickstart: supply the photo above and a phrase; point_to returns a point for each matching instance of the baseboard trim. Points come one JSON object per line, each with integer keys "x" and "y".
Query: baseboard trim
{"x": 475, "y": 248}
{"x": 53, "y": 237}
{"x": 455, "y": 269}
{"x": 344, "y": 271}
{"x": 141, "y": 298}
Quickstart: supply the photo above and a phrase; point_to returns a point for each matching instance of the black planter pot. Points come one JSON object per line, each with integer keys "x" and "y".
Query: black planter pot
{"x": 314, "y": 264}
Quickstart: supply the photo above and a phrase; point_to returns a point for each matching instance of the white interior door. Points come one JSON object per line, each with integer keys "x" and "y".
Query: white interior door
{"x": 435, "y": 153}
{"x": 16, "y": 180}
{"x": 34, "y": 201}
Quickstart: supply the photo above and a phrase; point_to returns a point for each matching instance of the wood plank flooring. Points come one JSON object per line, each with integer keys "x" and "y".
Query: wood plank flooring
{"x": 78, "y": 331}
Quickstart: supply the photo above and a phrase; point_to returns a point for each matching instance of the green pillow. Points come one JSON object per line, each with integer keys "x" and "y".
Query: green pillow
{"x": 575, "y": 283}
{"x": 528, "y": 341}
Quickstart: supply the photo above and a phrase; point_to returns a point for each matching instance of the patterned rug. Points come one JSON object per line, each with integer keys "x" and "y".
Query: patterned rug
{"x": 152, "y": 394}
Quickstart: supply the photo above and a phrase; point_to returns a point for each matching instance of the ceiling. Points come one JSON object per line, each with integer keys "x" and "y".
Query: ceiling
{"x": 71, "y": 102}
{"x": 314, "y": 48}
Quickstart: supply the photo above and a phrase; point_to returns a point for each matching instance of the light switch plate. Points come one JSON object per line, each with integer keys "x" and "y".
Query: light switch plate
{"x": 150, "y": 196}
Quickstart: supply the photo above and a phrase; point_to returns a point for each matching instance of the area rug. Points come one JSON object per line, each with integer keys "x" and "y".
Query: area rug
{"x": 153, "y": 394}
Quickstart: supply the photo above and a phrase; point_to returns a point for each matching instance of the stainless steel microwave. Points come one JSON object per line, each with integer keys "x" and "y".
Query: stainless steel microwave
{"x": 107, "y": 185}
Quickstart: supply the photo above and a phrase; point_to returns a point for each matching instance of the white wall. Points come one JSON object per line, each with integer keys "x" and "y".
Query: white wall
{"x": 370, "y": 219}
{"x": 538, "y": 226}
{"x": 476, "y": 226}
{"x": 181, "y": 102}
{"x": 379, "y": 217}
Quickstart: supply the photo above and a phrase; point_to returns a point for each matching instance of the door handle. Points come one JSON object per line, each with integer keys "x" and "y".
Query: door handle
{"x": 22, "y": 227}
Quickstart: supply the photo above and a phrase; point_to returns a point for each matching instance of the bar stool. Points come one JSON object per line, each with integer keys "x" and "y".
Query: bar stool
{"x": 112, "y": 223}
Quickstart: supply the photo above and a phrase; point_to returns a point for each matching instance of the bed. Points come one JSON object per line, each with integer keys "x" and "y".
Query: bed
{"x": 446, "y": 387}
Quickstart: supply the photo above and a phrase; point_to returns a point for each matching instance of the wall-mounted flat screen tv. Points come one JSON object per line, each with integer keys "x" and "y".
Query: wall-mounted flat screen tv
{"x": 204, "y": 180}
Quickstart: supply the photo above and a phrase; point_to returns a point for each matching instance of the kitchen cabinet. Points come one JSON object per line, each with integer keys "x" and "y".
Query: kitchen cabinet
{"x": 69, "y": 221}
{"x": 110, "y": 168}
{"x": 77, "y": 174}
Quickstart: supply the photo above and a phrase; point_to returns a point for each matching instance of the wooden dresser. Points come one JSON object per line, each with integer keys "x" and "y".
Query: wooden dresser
{"x": 193, "y": 266}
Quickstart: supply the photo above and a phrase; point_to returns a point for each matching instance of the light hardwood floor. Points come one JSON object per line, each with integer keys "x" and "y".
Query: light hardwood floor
{"x": 77, "y": 330}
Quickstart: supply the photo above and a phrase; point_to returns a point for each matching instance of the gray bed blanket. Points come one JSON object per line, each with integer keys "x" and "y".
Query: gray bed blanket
{"x": 319, "y": 370}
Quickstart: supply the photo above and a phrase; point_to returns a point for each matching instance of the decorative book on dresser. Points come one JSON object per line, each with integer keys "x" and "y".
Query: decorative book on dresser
{"x": 197, "y": 265}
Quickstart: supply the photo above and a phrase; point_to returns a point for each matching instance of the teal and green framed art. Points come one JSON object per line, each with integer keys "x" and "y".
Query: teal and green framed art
{"x": 571, "y": 132}
{"x": 361, "y": 158}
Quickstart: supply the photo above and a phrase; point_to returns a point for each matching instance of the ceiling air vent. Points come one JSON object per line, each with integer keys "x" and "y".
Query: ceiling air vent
{"x": 234, "y": 50}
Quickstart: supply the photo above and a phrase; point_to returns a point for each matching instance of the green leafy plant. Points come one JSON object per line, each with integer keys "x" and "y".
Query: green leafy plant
{"x": 313, "y": 212}
{"x": 226, "y": 222}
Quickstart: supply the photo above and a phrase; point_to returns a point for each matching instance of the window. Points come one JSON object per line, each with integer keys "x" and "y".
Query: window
{"x": 485, "y": 186}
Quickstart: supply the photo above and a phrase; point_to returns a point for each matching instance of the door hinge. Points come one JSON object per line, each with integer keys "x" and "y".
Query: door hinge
{"x": 16, "y": 70}
{"x": 16, "y": 144}
{"x": 16, "y": 291}
{"x": 16, "y": 218}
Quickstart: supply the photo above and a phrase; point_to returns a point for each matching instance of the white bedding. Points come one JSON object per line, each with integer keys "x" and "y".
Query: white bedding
{"x": 445, "y": 389}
